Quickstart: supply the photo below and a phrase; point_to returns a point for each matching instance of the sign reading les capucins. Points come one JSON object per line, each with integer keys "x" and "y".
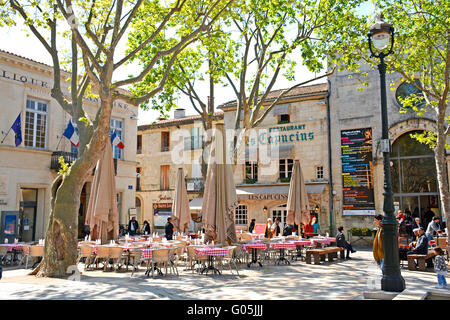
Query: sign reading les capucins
{"x": 357, "y": 179}
{"x": 281, "y": 134}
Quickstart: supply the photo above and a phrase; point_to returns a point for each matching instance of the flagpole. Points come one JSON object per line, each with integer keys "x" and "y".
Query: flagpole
{"x": 59, "y": 142}
{"x": 10, "y": 128}
{"x": 6, "y": 134}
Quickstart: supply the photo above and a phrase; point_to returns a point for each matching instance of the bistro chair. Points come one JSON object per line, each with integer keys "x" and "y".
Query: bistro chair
{"x": 160, "y": 258}
{"x": 102, "y": 256}
{"x": 246, "y": 236}
{"x": 117, "y": 255}
{"x": 136, "y": 256}
{"x": 173, "y": 257}
{"x": 4, "y": 254}
{"x": 25, "y": 254}
{"x": 157, "y": 239}
{"x": 229, "y": 259}
{"x": 35, "y": 252}
{"x": 86, "y": 252}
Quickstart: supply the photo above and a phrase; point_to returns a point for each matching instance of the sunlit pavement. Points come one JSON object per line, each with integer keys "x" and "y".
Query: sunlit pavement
{"x": 347, "y": 279}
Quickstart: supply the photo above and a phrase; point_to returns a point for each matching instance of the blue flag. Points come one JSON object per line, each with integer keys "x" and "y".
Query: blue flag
{"x": 17, "y": 128}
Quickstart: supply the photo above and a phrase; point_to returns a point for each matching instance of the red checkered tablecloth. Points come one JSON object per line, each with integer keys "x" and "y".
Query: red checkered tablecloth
{"x": 146, "y": 254}
{"x": 211, "y": 251}
{"x": 323, "y": 240}
{"x": 248, "y": 246}
{"x": 282, "y": 245}
{"x": 301, "y": 242}
{"x": 12, "y": 246}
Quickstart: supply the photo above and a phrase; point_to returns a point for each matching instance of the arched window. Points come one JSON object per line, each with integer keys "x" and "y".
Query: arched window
{"x": 240, "y": 217}
{"x": 414, "y": 180}
{"x": 406, "y": 91}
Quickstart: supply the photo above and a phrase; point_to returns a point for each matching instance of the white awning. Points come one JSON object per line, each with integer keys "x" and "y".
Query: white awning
{"x": 280, "y": 109}
{"x": 196, "y": 204}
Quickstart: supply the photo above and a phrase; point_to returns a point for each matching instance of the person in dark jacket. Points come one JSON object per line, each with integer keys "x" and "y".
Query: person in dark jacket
{"x": 288, "y": 230}
{"x": 133, "y": 226}
{"x": 169, "y": 228}
{"x": 146, "y": 228}
{"x": 277, "y": 227}
{"x": 342, "y": 243}
{"x": 421, "y": 245}
{"x": 252, "y": 225}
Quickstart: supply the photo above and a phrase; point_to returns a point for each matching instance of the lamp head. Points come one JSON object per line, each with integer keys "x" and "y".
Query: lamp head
{"x": 381, "y": 34}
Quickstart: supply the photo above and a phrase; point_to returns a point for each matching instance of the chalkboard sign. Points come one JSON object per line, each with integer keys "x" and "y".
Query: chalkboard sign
{"x": 357, "y": 179}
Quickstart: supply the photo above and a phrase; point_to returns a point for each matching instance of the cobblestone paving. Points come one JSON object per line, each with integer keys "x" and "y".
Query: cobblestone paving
{"x": 337, "y": 280}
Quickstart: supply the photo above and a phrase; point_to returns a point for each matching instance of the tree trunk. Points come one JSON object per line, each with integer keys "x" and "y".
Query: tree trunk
{"x": 440, "y": 157}
{"x": 62, "y": 232}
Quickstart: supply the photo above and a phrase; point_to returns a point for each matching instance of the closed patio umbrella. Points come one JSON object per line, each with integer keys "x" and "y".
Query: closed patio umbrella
{"x": 180, "y": 205}
{"x": 219, "y": 198}
{"x": 298, "y": 204}
{"x": 102, "y": 215}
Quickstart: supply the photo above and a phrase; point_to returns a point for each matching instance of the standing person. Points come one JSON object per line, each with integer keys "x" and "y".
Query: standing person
{"x": 146, "y": 228}
{"x": 133, "y": 226}
{"x": 276, "y": 227}
{"x": 169, "y": 228}
{"x": 268, "y": 230}
{"x": 378, "y": 254}
{"x": 429, "y": 214}
{"x": 315, "y": 225}
{"x": 434, "y": 228}
{"x": 342, "y": 243}
{"x": 440, "y": 267}
{"x": 252, "y": 226}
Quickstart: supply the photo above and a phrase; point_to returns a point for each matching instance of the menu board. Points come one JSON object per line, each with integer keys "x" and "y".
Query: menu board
{"x": 357, "y": 178}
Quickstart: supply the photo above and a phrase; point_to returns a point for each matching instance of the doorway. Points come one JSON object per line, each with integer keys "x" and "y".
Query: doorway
{"x": 27, "y": 214}
{"x": 279, "y": 212}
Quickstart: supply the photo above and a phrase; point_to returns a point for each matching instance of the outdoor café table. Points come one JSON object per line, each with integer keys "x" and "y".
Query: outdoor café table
{"x": 282, "y": 246}
{"x": 211, "y": 252}
{"x": 299, "y": 244}
{"x": 14, "y": 248}
{"x": 322, "y": 241}
{"x": 254, "y": 247}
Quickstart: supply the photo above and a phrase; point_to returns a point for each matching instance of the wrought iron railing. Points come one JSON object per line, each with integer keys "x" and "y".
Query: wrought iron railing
{"x": 69, "y": 157}
{"x": 194, "y": 184}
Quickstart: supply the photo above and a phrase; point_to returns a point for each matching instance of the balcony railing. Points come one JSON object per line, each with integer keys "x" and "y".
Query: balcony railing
{"x": 69, "y": 157}
{"x": 194, "y": 184}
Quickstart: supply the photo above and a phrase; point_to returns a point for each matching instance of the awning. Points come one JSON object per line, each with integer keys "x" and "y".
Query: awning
{"x": 280, "y": 109}
{"x": 261, "y": 193}
{"x": 274, "y": 152}
{"x": 196, "y": 204}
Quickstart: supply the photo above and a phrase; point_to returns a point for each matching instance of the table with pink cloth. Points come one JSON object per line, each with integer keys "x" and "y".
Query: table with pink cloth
{"x": 12, "y": 246}
{"x": 254, "y": 248}
{"x": 282, "y": 246}
{"x": 210, "y": 252}
{"x": 326, "y": 241}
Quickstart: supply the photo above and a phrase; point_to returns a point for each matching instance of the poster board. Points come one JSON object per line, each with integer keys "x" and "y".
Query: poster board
{"x": 357, "y": 168}
{"x": 259, "y": 228}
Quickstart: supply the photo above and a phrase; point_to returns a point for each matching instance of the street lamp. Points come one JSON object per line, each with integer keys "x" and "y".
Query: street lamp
{"x": 381, "y": 36}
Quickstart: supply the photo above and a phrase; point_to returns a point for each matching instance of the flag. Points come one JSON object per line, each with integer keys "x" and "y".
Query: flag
{"x": 115, "y": 140}
{"x": 17, "y": 128}
{"x": 71, "y": 134}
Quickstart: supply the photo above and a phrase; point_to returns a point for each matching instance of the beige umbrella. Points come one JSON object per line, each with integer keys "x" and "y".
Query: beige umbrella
{"x": 298, "y": 204}
{"x": 219, "y": 198}
{"x": 180, "y": 205}
{"x": 102, "y": 215}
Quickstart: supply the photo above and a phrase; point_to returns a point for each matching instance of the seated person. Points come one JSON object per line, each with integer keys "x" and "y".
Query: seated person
{"x": 421, "y": 247}
{"x": 342, "y": 243}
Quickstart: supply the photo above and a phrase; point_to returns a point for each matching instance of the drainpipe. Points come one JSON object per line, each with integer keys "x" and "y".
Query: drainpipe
{"x": 330, "y": 171}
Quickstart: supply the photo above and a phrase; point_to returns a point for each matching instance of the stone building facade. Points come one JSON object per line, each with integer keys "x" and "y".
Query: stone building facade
{"x": 163, "y": 147}
{"x": 27, "y": 171}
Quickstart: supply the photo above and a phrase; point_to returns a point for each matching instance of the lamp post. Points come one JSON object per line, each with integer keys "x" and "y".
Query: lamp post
{"x": 381, "y": 36}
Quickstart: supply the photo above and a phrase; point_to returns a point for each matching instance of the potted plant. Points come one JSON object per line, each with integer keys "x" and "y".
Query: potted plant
{"x": 356, "y": 231}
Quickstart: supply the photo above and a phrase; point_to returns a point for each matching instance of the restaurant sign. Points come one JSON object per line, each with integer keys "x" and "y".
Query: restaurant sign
{"x": 263, "y": 197}
{"x": 280, "y": 134}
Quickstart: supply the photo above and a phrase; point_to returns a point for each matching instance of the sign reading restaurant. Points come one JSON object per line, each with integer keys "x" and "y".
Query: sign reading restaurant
{"x": 357, "y": 180}
{"x": 281, "y": 134}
